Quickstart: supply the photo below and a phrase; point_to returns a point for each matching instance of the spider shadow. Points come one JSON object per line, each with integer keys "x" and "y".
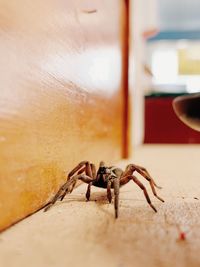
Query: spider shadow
{"x": 99, "y": 198}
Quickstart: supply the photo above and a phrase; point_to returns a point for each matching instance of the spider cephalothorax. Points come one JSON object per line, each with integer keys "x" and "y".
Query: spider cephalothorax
{"x": 108, "y": 178}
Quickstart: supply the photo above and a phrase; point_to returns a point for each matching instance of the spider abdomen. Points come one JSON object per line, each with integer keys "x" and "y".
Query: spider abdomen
{"x": 100, "y": 183}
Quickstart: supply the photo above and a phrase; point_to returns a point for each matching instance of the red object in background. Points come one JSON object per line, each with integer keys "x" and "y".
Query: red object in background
{"x": 163, "y": 126}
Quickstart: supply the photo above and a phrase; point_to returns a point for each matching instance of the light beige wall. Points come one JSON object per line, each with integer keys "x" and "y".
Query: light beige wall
{"x": 143, "y": 21}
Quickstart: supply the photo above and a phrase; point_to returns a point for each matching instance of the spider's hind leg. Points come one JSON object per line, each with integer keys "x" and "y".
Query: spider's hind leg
{"x": 142, "y": 171}
{"x": 126, "y": 179}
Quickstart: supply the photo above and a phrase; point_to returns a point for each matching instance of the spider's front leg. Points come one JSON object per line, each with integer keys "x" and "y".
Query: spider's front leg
{"x": 72, "y": 179}
{"x": 109, "y": 194}
{"x": 113, "y": 179}
{"x": 116, "y": 186}
{"x": 83, "y": 166}
{"x": 93, "y": 171}
{"x": 80, "y": 168}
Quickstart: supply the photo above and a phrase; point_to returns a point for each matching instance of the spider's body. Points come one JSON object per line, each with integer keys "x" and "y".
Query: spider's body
{"x": 106, "y": 177}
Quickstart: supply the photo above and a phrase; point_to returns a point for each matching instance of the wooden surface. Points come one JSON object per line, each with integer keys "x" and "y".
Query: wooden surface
{"x": 61, "y": 95}
{"x": 79, "y": 233}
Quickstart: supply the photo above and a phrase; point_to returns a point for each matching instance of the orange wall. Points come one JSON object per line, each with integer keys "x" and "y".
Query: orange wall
{"x": 61, "y": 95}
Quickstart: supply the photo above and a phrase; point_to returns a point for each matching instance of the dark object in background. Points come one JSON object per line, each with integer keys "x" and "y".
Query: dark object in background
{"x": 162, "y": 126}
{"x": 187, "y": 108}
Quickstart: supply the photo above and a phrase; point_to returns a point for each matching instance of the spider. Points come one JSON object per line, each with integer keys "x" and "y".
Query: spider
{"x": 105, "y": 177}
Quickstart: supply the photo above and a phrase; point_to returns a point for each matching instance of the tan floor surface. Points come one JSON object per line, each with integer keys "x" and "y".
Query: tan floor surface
{"x": 78, "y": 233}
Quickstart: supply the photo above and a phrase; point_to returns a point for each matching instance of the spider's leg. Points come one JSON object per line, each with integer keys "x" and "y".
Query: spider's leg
{"x": 109, "y": 194}
{"x": 83, "y": 166}
{"x": 93, "y": 173}
{"x": 146, "y": 175}
{"x": 88, "y": 171}
{"x": 73, "y": 184}
{"x": 78, "y": 168}
{"x": 116, "y": 185}
{"x": 124, "y": 180}
{"x": 66, "y": 187}
{"x": 60, "y": 194}
{"x": 87, "y": 195}
{"x": 81, "y": 170}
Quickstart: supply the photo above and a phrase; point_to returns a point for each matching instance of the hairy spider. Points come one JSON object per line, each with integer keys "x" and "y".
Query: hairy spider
{"x": 105, "y": 177}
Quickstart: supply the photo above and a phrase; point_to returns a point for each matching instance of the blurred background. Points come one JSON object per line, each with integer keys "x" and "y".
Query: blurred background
{"x": 166, "y": 61}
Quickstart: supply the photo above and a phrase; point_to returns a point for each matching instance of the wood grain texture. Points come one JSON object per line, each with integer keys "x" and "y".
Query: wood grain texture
{"x": 61, "y": 95}
{"x": 79, "y": 233}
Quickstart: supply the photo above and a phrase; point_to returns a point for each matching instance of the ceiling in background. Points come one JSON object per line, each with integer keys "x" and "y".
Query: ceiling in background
{"x": 179, "y": 15}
